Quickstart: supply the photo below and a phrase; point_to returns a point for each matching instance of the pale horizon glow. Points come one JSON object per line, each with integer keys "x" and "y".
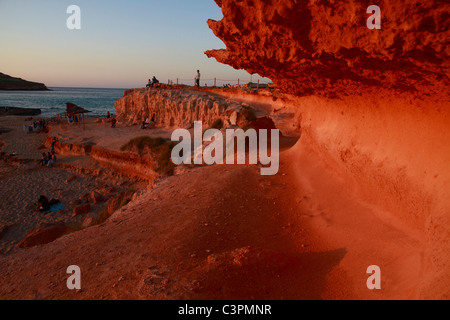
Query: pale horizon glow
{"x": 121, "y": 44}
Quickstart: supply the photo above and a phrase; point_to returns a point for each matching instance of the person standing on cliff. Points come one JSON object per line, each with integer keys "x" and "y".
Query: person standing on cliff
{"x": 197, "y": 79}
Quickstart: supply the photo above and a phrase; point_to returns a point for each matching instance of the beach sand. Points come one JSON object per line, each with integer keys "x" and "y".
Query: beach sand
{"x": 71, "y": 180}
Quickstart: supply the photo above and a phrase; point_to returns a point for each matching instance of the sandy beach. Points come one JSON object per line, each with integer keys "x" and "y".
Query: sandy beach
{"x": 71, "y": 180}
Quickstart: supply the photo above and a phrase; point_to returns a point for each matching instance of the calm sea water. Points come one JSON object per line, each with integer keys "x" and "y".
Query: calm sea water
{"x": 99, "y": 101}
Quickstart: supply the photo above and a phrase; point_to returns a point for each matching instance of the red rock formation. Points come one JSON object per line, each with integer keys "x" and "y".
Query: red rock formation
{"x": 173, "y": 107}
{"x": 325, "y": 46}
{"x": 389, "y": 151}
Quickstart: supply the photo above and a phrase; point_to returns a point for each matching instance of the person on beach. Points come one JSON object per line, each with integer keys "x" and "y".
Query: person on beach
{"x": 43, "y": 204}
{"x": 44, "y": 159}
{"x": 51, "y": 159}
{"x": 113, "y": 123}
{"x": 108, "y": 115}
{"x": 197, "y": 79}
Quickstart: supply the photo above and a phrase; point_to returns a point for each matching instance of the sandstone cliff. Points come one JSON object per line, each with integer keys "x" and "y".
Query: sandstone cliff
{"x": 179, "y": 107}
{"x": 373, "y": 107}
{"x": 325, "y": 46}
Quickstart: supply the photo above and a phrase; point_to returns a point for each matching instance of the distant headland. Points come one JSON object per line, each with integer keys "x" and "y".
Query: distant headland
{"x": 10, "y": 83}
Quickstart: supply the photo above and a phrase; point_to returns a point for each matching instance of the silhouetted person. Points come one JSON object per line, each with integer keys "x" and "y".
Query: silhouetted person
{"x": 154, "y": 81}
{"x": 43, "y": 204}
{"x": 44, "y": 159}
{"x": 197, "y": 79}
{"x": 53, "y": 145}
{"x": 51, "y": 160}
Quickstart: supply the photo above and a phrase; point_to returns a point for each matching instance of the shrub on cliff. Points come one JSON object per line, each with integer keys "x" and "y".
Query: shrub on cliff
{"x": 159, "y": 148}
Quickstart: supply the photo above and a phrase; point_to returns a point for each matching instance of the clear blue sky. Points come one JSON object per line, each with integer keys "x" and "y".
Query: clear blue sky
{"x": 121, "y": 43}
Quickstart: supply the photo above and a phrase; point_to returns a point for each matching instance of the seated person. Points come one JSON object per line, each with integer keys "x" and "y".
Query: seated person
{"x": 44, "y": 159}
{"x": 149, "y": 83}
{"x": 145, "y": 123}
{"x": 43, "y": 204}
{"x": 51, "y": 159}
{"x": 154, "y": 81}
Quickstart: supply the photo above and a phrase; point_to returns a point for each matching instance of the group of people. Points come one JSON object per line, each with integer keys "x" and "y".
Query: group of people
{"x": 49, "y": 158}
{"x": 41, "y": 124}
{"x": 152, "y": 82}
{"x": 36, "y": 126}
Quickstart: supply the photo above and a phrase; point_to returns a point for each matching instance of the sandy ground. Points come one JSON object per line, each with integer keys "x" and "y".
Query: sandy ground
{"x": 102, "y": 135}
{"x": 24, "y": 181}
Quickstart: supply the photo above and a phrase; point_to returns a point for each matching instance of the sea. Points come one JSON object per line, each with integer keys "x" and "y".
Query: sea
{"x": 98, "y": 101}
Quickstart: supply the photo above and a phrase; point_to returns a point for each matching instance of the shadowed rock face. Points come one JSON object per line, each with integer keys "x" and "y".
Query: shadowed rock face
{"x": 325, "y": 46}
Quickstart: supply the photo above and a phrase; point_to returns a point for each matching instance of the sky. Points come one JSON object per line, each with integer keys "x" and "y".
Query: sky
{"x": 121, "y": 44}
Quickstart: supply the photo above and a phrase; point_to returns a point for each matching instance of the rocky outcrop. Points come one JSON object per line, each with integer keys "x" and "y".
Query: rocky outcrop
{"x": 127, "y": 163}
{"x": 372, "y": 105}
{"x": 325, "y": 46}
{"x": 13, "y": 111}
{"x": 179, "y": 107}
{"x": 10, "y": 83}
